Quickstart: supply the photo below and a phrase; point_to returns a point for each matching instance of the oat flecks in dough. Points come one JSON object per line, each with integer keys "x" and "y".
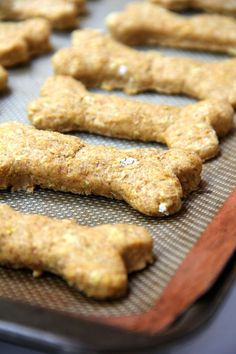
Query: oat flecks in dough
{"x": 145, "y": 23}
{"x": 122, "y": 70}
{"x": 95, "y": 59}
{"x": 3, "y": 78}
{"x": 65, "y": 105}
{"x": 128, "y": 161}
{"x": 163, "y": 208}
{"x": 19, "y": 42}
{"x": 95, "y": 260}
{"x": 62, "y": 14}
{"x": 31, "y": 157}
{"x": 227, "y": 7}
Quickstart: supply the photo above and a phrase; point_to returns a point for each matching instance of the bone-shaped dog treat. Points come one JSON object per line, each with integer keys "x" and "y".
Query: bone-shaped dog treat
{"x": 21, "y": 41}
{"x": 227, "y": 7}
{"x": 3, "y": 78}
{"x": 151, "y": 181}
{"x": 98, "y": 60}
{"x": 66, "y": 106}
{"x": 145, "y": 23}
{"x": 95, "y": 260}
{"x": 62, "y": 14}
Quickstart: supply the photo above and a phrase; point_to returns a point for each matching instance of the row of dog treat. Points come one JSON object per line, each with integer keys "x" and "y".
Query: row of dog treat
{"x": 151, "y": 181}
{"x": 99, "y": 263}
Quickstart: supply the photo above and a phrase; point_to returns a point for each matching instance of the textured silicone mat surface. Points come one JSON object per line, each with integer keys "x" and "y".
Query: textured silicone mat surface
{"x": 174, "y": 236}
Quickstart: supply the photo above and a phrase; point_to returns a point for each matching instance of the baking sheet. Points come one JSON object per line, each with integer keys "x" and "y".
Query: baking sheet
{"x": 174, "y": 236}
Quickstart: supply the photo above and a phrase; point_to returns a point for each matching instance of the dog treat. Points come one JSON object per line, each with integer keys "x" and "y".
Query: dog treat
{"x": 62, "y": 14}
{"x": 145, "y": 23}
{"x": 95, "y": 260}
{"x": 66, "y": 106}
{"x": 227, "y": 7}
{"x": 3, "y": 78}
{"x": 151, "y": 181}
{"x": 98, "y": 60}
{"x": 21, "y": 41}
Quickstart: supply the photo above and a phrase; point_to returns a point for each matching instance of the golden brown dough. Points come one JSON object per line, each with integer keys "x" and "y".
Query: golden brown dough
{"x": 98, "y": 60}
{"x": 227, "y": 7}
{"x": 21, "y": 41}
{"x": 65, "y": 105}
{"x": 3, "y": 78}
{"x": 146, "y": 23}
{"x": 151, "y": 181}
{"x": 62, "y": 14}
{"x": 95, "y": 260}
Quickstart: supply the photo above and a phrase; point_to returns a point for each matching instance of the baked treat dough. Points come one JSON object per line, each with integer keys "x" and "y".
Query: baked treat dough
{"x": 23, "y": 40}
{"x": 3, "y": 78}
{"x": 62, "y": 14}
{"x": 95, "y": 260}
{"x": 227, "y": 7}
{"x": 146, "y": 23}
{"x": 151, "y": 181}
{"x": 98, "y": 60}
{"x": 65, "y": 105}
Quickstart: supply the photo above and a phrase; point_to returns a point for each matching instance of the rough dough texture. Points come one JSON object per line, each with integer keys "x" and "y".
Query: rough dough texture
{"x": 65, "y": 105}
{"x": 144, "y": 23}
{"x": 98, "y": 60}
{"x": 62, "y": 14}
{"x": 95, "y": 260}
{"x": 21, "y": 41}
{"x": 151, "y": 181}
{"x": 3, "y": 78}
{"x": 227, "y": 7}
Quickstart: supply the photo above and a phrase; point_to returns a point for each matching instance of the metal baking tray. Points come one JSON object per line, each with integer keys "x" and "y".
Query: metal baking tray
{"x": 46, "y": 313}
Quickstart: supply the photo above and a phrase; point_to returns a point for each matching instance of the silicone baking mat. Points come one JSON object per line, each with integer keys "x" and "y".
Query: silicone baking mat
{"x": 174, "y": 236}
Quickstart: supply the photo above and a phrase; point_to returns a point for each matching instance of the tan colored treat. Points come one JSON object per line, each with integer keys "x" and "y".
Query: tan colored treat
{"x": 66, "y": 106}
{"x": 21, "y": 41}
{"x": 227, "y": 7}
{"x": 95, "y": 260}
{"x": 3, "y": 78}
{"x": 151, "y": 181}
{"x": 62, "y": 14}
{"x": 98, "y": 60}
{"x": 144, "y": 23}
